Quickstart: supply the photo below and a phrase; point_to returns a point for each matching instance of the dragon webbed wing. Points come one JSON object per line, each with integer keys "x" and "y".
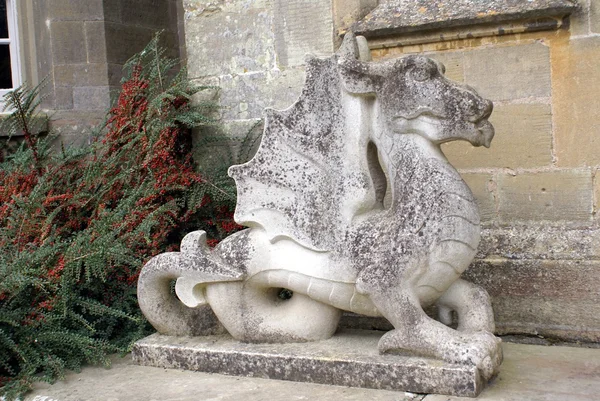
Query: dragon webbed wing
{"x": 307, "y": 175}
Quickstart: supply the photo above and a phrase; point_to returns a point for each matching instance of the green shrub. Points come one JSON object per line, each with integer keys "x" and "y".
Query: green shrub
{"x": 77, "y": 225}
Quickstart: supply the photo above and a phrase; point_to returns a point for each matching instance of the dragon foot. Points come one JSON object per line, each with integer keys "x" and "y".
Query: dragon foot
{"x": 481, "y": 349}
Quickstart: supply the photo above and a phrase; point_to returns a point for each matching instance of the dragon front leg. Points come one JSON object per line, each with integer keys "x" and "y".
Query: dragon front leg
{"x": 417, "y": 333}
{"x": 472, "y": 305}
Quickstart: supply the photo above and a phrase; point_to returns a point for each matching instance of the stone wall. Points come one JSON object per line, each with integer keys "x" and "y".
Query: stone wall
{"x": 538, "y": 186}
{"x": 253, "y": 50}
{"x": 81, "y": 46}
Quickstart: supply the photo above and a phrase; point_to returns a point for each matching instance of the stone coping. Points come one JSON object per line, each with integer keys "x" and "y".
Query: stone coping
{"x": 393, "y": 17}
{"x": 350, "y": 358}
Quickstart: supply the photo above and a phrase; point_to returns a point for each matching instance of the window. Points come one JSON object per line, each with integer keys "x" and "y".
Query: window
{"x": 10, "y": 71}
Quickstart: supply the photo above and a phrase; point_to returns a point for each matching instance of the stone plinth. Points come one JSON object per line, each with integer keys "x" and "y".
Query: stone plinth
{"x": 350, "y": 358}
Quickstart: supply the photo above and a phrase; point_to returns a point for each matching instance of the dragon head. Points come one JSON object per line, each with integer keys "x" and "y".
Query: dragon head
{"x": 415, "y": 97}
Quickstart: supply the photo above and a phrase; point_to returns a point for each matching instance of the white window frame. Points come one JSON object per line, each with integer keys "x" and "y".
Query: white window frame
{"x": 13, "y": 42}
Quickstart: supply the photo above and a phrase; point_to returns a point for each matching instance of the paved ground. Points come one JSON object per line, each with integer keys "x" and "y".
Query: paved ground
{"x": 529, "y": 372}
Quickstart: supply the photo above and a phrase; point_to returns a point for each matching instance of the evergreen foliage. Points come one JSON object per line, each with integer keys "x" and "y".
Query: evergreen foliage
{"x": 77, "y": 225}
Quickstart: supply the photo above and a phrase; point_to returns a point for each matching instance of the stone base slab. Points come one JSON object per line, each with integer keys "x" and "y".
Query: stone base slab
{"x": 350, "y": 358}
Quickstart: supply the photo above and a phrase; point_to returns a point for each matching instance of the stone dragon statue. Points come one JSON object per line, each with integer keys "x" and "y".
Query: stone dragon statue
{"x": 352, "y": 206}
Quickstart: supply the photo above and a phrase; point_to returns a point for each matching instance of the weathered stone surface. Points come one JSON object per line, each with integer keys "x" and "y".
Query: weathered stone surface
{"x": 566, "y": 320}
{"x": 63, "y": 98}
{"x": 74, "y": 126}
{"x": 594, "y": 16}
{"x": 454, "y": 63}
{"x": 539, "y": 241}
{"x": 95, "y": 42}
{"x": 347, "y": 12}
{"x": 246, "y": 96}
{"x": 526, "y": 127}
{"x": 402, "y": 16}
{"x": 126, "y": 381}
{"x": 536, "y": 373}
{"x": 530, "y": 372}
{"x": 69, "y": 10}
{"x": 596, "y": 180}
{"x": 576, "y": 101}
{"x": 234, "y": 142}
{"x": 509, "y": 72}
{"x": 66, "y": 42}
{"x": 91, "y": 98}
{"x": 579, "y": 21}
{"x": 322, "y": 240}
{"x": 560, "y": 196}
{"x": 482, "y": 185}
{"x": 112, "y": 10}
{"x": 555, "y": 298}
{"x": 148, "y": 13}
{"x": 302, "y": 27}
{"x": 81, "y": 74}
{"x": 126, "y": 40}
{"x": 204, "y": 8}
{"x": 347, "y": 359}
{"x": 249, "y": 38}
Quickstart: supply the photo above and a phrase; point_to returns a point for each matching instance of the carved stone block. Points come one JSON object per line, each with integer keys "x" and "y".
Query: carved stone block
{"x": 351, "y": 206}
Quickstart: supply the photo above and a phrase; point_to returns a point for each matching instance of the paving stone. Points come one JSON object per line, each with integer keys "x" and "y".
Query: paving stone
{"x": 537, "y": 373}
{"x": 529, "y": 372}
{"x": 350, "y": 358}
{"x": 509, "y": 72}
{"x": 576, "y": 102}
{"x": 527, "y": 127}
{"x": 125, "y": 381}
{"x": 560, "y": 196}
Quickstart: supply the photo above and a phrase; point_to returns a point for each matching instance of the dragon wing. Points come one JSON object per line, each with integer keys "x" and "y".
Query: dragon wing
{"x": 308, "y": 178}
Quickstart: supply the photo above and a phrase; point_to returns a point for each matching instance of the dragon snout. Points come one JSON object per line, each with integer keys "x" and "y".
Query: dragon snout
{"x": 486, "y": 131}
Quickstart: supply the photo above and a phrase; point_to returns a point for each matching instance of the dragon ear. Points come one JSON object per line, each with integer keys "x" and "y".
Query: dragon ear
{"x": 358, "y": 73}
{"x": 349, "y": 47}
